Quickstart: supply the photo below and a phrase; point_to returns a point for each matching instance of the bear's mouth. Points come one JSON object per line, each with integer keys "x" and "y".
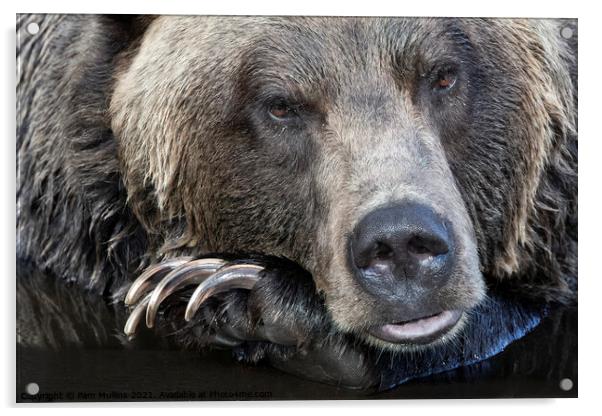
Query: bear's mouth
{"x": 422, "y": 330}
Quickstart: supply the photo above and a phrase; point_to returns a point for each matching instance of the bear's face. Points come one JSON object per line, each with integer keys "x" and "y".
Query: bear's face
{"x": 362, "y": 149}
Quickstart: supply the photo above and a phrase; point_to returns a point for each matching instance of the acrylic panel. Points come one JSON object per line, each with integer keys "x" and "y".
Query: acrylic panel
{"x": 268, "y": 208}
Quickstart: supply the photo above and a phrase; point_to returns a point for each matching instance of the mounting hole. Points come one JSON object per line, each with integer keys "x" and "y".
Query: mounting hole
{"x": 32, "y": 389}
{"x": 566, "y": 32}
{"x": 33, "y": 28}
{"x": 566, "y": 384}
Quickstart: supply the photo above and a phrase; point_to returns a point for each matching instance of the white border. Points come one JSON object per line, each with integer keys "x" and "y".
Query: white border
{"x": 506, "y": 8}
{"x": 590, "y": 290}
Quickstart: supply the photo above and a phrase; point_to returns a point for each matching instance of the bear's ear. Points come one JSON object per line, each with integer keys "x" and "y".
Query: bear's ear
{"x": 129, "y": 27}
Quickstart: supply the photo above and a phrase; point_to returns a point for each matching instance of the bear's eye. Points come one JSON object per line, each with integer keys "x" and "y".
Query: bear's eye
{"x": 281, "y": 111}
{"x": 445, "y": 80}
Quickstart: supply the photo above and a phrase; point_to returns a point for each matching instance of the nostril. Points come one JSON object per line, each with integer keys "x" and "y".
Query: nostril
{"x": 378, "y": 260}
{"x": 423, "y": 248}
{"x": 376, "y": 255}
{"x": 417, "y": 246}
{"x": 383, "y": 252}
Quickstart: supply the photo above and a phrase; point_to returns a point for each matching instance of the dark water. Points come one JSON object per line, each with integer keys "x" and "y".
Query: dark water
{"x": 81, "y": 358}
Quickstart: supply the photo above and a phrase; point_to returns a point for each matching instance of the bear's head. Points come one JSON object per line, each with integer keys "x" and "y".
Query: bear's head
{"x": 405, "y": 163}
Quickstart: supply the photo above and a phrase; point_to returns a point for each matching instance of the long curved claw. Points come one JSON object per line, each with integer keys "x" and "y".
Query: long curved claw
{"x": 135, "y": 317}
{"x": 193, "y": 272}
{"x": 151, "y": 276}
{"x": 238, "y": 276}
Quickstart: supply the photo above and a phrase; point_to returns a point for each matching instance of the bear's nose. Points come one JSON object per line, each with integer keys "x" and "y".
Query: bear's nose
{"x": 403, "y": 241}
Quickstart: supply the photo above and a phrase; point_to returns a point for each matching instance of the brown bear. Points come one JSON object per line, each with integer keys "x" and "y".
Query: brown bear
{"x": 294, "y": 182}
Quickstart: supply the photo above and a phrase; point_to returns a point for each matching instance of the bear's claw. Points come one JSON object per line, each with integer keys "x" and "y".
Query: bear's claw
{"x": 238, "y": 276}
{"x": 151, "y": 276}
{"x": 190, "y": 273}
{"x": 136, "y": 316}
{"x": 213, "y": 276}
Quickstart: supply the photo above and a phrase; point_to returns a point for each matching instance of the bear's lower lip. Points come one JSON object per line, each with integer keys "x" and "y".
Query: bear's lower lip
{"x": 418, "y": 331}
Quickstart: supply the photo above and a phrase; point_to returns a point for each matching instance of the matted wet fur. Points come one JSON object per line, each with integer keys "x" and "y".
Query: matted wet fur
{"x": 146, "y": 138}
